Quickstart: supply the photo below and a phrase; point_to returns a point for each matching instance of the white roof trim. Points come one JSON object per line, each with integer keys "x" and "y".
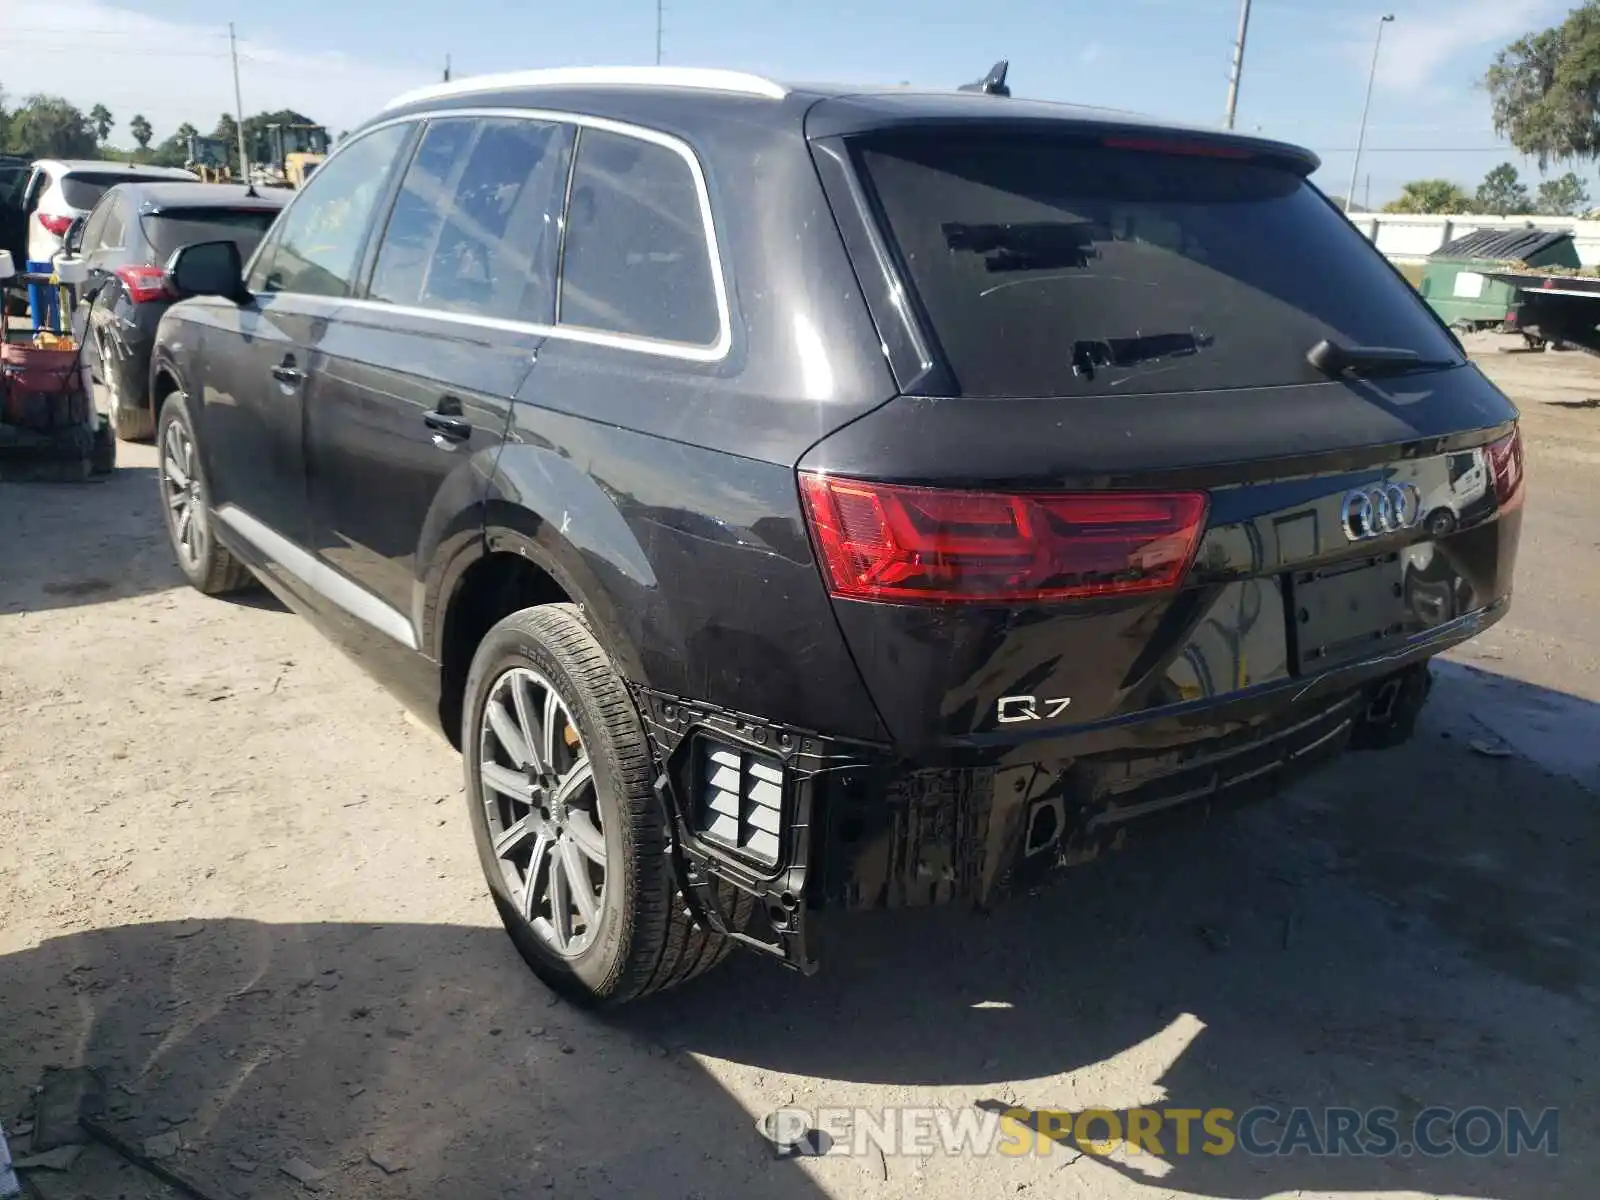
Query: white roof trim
{"x": 705, "y": 79}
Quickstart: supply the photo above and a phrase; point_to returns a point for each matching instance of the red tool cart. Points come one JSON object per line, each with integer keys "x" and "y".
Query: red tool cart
{"x": 49, "y": 427}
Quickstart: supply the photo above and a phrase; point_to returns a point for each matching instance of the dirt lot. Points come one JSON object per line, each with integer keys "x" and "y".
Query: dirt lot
{"x": 236, "y": 879}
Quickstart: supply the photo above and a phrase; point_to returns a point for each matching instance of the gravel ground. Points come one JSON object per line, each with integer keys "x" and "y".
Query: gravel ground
{"x": 239, "y": 882}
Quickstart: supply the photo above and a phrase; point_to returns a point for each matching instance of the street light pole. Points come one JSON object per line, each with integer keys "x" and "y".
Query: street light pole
{"x": 1366, "y": 107}
{"x": 1237, "y": 66}
{"x": 238, "y": 105}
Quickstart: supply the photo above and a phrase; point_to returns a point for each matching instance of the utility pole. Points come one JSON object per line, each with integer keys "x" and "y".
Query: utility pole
{"x": 1366, "y": 107}
{"x": 238, "y": 105}
{"x": 1366, "y": 202}
{"x": 447, "y": 68}
{"x": 1237, "y": 67}
{"x": 660, "y": 9}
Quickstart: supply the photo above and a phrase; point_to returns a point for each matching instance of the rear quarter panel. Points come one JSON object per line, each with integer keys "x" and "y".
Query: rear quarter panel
{"x": 662, "y": 492}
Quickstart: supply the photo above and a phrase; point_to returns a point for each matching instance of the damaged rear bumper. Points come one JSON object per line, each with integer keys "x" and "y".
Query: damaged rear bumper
{"x": 805, "y": 822}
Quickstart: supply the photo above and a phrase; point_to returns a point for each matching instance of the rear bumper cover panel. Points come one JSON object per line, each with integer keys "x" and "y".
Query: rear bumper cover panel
{"x": 864, "y": 827}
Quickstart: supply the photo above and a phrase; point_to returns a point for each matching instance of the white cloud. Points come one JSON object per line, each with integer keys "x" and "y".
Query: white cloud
{"x": 1092, "y": 53}
{"x": 1422, "y": 46}
{"x": 97, "y": 54}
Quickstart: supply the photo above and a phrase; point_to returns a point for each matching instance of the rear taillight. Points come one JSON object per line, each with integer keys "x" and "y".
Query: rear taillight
{"x": 56, "y": 225}
{"x": 145, "y": 284}
{"x": 902, "y": 544}
{"x": 1505, "y": 464}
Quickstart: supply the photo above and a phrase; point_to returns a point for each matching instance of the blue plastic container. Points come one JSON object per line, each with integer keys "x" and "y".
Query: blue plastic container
{"x": 42, "y": 299}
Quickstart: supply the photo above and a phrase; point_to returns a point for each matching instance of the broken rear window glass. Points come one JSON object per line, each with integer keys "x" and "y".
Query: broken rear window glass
{"x": 1052, "y": 266}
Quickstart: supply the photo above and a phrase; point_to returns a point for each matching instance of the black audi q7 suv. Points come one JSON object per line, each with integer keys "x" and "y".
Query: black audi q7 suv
{"x": 792, "y": 497}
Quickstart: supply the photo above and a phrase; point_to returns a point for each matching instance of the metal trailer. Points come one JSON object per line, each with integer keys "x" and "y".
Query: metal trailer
{"x": 1556, "y": 309}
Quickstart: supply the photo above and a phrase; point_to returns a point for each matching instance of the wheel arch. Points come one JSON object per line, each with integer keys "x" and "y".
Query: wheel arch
{"x": 518, "y": 557}
{"x": 516, "y": 532}
{"x": 165, "y": 380}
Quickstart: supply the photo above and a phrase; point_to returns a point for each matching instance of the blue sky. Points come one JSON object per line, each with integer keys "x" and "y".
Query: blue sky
{"x": 1305, "y": 67}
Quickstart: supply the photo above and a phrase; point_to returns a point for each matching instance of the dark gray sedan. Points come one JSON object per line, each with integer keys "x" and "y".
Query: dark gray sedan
{"x": 126, "y": 241}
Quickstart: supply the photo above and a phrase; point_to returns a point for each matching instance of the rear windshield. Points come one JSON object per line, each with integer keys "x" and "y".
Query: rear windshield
{"x": 82, "y": 189}
{"x": 1056, "y": 267}
{"x": 172, "y": 230}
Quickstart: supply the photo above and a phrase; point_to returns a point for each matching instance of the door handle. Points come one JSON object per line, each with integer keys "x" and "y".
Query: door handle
{"x": 455, "y": 428}
{"x": 288, "y": 374}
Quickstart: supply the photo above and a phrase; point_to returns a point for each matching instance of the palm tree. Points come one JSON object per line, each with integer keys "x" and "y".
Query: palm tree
{"x": 142, "y": 133}
{"x": 102, "y": 120}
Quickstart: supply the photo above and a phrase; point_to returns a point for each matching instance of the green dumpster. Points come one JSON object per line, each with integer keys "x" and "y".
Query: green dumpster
{"x": 1455, "y": 282}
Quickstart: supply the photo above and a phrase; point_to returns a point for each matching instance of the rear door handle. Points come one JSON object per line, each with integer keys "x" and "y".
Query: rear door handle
{"x": 288, "y": 374}
{"x": 456, "y": 428}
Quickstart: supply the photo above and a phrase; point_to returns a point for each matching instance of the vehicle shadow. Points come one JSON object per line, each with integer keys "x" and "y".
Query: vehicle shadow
{"x": 430, "y": 1048}
{"x": 1410, "y": 928}
{"x": 1407, "y": 929}
{"x": 66, "y": 545}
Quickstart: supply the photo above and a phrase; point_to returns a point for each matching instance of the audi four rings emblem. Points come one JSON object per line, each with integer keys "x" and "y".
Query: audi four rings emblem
{"x": 1383, "y": 508}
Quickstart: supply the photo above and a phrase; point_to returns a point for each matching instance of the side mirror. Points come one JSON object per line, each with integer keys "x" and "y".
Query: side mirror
{"x": 73, "y": 243}
{"x": 208, "y": 269}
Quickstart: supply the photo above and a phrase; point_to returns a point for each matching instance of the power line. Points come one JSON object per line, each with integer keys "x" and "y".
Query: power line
{"x": 70, "y": 31}
{"x": 127, "y": 52}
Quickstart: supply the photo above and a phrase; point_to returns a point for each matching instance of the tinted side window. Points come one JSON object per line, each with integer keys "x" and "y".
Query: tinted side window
{"x": 636, "y": 259}
{"x": 114, "y": 233}
{"x": 13, "y": 183}
{"x": 94, "y": 229}
{"x": 315, "y": 247}
{"x": 474, "y": 227}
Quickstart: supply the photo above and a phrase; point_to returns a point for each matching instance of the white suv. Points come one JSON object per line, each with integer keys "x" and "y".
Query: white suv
{"x": 59, "y": 191}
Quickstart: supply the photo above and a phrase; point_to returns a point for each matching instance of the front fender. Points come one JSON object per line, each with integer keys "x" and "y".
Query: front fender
{"x": 540, "y": 505}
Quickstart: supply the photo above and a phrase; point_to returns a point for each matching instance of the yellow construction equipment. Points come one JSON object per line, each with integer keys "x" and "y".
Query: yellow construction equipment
{"x": 292, "y": 152}
{"x": 208, "y": 158}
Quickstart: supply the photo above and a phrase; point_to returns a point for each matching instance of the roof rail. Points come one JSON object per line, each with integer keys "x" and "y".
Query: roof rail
{"x": 705, "y": 79}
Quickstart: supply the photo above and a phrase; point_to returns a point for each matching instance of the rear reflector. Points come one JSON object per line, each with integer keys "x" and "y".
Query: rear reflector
{"x": 56, "y": 225}
{"x": 904, "y": 544}
{"x": 1505, "y": 464}
{"x": 145, "y": 284}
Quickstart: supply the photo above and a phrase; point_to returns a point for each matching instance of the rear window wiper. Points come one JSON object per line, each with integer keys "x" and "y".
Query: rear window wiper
{"x": 1332, "y": 358}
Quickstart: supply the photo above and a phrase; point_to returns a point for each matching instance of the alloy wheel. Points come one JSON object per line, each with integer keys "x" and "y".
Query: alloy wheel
{"x": 108, "y": 376}
{"x": 180, "y": 488}
{"x": 545, "y": 822}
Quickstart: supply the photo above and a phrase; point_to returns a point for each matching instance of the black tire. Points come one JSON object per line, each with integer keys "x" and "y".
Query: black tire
{"x": 210, "y": 568}
{"x": 644, "y": 940}
{"x": 133, "y": 424}
{"x": 103, "y": 458}
{"x": 1441, "y": 522}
